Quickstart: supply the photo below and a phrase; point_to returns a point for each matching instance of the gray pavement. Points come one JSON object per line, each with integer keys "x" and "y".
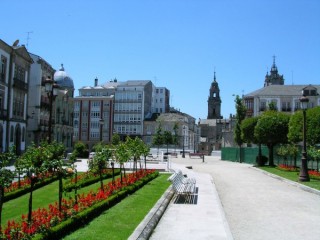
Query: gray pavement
{"x": 237, "y": 201}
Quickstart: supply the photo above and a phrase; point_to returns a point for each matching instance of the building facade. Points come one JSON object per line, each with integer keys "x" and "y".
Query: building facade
{"x": 39, "y": 105}
{"x": 132, "y": 102}
{"x": 284, "y": 98}
{"x": 93, "y": 119}
{"x": 14, "y": 86}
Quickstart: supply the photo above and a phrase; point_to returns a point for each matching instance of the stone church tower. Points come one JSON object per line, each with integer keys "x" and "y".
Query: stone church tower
{"x": 274, "y": 78}
{"x": 214, "y": 100}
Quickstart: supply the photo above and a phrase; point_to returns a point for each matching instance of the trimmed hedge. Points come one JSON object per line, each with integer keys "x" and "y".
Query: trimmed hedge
{"x": 82, "y": 218}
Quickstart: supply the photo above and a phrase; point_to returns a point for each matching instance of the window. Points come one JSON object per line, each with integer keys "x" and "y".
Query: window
{"x": 23, "y": 134}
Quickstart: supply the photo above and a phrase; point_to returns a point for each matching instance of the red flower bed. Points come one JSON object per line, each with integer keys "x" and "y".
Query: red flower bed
{"x": 314, "y": 174}
{"x": 287, "y": 168}
{"x": 25, "y": 182}
{"x": 45, "y": 218}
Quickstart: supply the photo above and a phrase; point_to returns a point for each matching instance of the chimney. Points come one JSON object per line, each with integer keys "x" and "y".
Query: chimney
{"x": 96, "y": 82}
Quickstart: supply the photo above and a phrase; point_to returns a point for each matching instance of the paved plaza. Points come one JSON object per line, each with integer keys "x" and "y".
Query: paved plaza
{"x": 237, "y": 201}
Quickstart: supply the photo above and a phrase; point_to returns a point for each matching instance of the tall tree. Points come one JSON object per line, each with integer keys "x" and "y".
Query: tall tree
{"x": 247, "y": 133}
{"x": 99, "y": 162}
{"x": 272, "y": 129}
{"x": 240, "y": 115}
{"x": 167, "y": 139}
{"x": 175, "y": 137}
{"x": 122, "y": 155}
{"x": 158, "y": 138}
{"x": 32, "y": 161}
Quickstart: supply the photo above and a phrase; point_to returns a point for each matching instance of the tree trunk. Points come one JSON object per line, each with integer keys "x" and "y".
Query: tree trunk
{"x": 240, "y": 157}
{"x": 101, "y": 179}
{"x": 270, "y": 147}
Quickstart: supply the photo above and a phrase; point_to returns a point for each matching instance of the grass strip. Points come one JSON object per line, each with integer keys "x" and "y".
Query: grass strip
{"x": 293, "y": 176}
{"x": 120, "y": 221}
{"x": 42, "y": 197}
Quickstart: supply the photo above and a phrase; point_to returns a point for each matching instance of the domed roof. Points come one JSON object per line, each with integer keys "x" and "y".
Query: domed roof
{"x": 63, "y": 79}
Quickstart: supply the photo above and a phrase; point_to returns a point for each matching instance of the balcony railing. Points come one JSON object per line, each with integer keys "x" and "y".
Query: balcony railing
{"x": 17, "y": 83}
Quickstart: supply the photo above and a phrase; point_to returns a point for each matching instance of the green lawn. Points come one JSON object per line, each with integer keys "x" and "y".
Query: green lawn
{"x": 42, "y": 197}
{"x": 120, "y": 221}
{"x": 293, "y": 176}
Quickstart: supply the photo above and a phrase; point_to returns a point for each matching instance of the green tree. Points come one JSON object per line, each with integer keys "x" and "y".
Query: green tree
{"x": 54, "y": 162}
{"x": 32, "y": 163}
{"x": 6, "y": 176}
{"x": 313, "y": 127}
{"x": 240, "y": 115}
{"x": 272, "y": 129}
{"x": 247, "y": 133}
{"x": 167, "y": 139}
{"x": 115, "y": 139}
{"x": 158, "y": 138}
{"x": 135, "y": 148}
{"x": 82, "y": 149}
{"x": 100, "y": 162}
{"x": 122, "y": 154}
{"x": 175, "y": 137}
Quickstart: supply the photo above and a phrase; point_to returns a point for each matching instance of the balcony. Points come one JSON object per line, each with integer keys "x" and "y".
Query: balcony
{"x": 17, "y": 83}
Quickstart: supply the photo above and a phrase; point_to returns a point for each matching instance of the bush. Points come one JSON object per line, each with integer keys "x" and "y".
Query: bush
{"x": 81, "y": 149}
{"x": 261, "y": 161}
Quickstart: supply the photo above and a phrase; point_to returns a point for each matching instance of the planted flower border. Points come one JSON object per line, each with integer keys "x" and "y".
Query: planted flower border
{"x": 312, "y": 173}
{"x": 87, "y": 179}
{"x": 50, "y": 223}
{"x": 13, "y": 191}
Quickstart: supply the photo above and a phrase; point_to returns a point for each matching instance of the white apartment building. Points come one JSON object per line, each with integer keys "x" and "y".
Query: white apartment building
{"x": 14, "y": 86}
{"x": 133, "y": 101}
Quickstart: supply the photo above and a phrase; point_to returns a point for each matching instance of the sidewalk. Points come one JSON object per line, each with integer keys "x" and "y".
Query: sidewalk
{"x": 255, "y": 205}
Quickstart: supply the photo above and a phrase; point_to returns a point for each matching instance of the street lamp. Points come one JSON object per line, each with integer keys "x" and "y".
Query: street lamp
{"x": 304, "y": 176}
{"x": 183, "y": 135}
{"x": 101, "y": 122}
{"x": 52, "y": 91}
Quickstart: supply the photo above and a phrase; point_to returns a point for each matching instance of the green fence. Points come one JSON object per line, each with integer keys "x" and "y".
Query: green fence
{"x": 248, "y": 154}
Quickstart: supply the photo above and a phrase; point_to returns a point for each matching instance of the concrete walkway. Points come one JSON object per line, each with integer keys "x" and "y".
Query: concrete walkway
{"x": 237, "y": 201}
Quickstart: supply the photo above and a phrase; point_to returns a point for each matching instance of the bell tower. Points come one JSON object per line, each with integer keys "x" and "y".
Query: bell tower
{"x": 214, "y": 100}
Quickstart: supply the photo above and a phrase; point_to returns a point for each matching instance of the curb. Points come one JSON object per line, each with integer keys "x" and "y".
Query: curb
{"x": 296, "y": 184}
{"x": 149, "y": 223}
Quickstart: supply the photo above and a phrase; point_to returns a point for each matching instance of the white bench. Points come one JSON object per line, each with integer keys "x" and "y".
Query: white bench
{"x": 182, "y": 184}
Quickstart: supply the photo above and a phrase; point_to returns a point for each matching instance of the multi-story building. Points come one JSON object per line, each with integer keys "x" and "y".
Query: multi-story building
{"x": 284, "y": 98}
{"x": 39, "y": 105}
{"x": 15, "y": 68}
{"x": 130, "y": 102}
{"x": 161, "y": 100}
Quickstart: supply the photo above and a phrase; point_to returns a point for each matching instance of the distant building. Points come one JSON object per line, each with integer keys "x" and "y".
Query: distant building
{"x": 214, "y": 100}
{"x": 285, "y": 98}
{"x": 188, "y": 131}
{"x": 130, "y": 102}
{"x": 210, "y": 133}
{"x": 39, "y": 105}
{"x": 14, "y": 85}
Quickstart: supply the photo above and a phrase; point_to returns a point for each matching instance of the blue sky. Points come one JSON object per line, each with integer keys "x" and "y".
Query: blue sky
{"x": 177, "y": 44}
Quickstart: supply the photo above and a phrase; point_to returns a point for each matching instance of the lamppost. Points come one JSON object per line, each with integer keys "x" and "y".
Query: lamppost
{"x": 52, "y": 91}
{"x": 101, "y": 122}
{"x": 183, "y": 135}
{"x": 304, "y": 176}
